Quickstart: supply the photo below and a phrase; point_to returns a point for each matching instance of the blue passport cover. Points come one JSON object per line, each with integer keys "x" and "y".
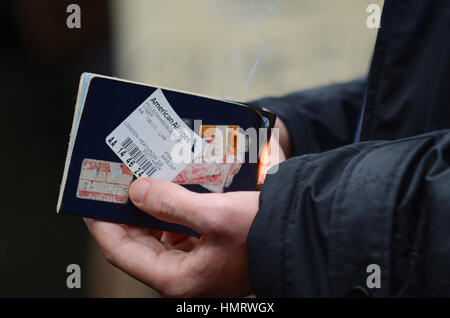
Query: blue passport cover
{"x": 102, "y": 104}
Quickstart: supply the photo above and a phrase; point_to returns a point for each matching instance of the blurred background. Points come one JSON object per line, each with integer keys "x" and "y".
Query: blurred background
{"x": 238, "y": 49}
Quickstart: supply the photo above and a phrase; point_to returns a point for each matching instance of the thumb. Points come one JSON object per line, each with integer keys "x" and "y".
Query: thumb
{"x": 171, "y": 202}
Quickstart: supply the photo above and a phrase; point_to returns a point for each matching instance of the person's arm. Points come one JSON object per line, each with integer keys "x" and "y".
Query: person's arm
{"x": 317, "y": 119}
{"x": 324, "y": 218}
{"x": 320, "y": 222}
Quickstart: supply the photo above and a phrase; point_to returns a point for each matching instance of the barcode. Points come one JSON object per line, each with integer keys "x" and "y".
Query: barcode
{"x": 139, "y": 158}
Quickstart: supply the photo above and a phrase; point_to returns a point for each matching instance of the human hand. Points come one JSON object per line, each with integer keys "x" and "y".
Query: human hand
{"x": 177, "y": 265}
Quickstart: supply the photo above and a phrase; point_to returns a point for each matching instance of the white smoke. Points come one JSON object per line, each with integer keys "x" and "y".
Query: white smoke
{"x": 251, "y": 12}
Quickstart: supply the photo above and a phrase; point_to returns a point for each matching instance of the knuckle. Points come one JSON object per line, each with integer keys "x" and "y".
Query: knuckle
{"x": 222, "y": 221}
{"x": 215, "y": 225}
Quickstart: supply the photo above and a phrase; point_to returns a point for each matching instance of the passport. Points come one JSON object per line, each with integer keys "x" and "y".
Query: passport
{"x": 124, "y": 130}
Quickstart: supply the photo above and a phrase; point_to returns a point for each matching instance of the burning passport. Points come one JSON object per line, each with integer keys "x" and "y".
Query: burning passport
{"x": 222, "y": 161}
{"x": 124, "y": 130}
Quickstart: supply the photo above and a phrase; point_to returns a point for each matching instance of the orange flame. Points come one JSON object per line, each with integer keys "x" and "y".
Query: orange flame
{"x": 264, "y": 164}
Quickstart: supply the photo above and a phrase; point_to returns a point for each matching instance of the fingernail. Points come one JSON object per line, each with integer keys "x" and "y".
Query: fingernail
{"x": 138, "y": 189}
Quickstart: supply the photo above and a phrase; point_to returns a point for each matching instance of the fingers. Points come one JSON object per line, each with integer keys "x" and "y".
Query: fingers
{"x": 142, "y": 235}
{"x": 111, "y": 237}
{"x": 173, "y": 238}
{"x": 181, "y": 242}
{"x": 188, "y": 244}
{"x": 171, "y": 202}
{"x": 135, "y": 253}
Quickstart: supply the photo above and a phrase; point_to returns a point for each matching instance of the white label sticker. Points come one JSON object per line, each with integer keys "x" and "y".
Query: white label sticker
{"x": 104, "y": 181}
{"x": 146, "y": 140}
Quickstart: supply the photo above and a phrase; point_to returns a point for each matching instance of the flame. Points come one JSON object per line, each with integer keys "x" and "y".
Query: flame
{"x": 264, "y": 164}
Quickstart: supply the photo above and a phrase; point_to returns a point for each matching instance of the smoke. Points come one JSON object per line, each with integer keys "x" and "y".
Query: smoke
{"x": 263, "y": 49}
{"x": 241, "y": 10}
{"x": 249, "y": 12}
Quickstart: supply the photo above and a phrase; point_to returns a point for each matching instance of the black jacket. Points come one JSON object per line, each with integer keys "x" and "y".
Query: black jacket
{"x": 339, "y": 206}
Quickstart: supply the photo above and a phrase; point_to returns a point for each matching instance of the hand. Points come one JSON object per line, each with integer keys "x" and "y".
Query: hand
{"x": 178, "y": 265}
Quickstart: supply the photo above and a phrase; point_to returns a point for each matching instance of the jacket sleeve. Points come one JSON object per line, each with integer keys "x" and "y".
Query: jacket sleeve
{"x": 324, "y": 218}
{"x": 319, "y": 119}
